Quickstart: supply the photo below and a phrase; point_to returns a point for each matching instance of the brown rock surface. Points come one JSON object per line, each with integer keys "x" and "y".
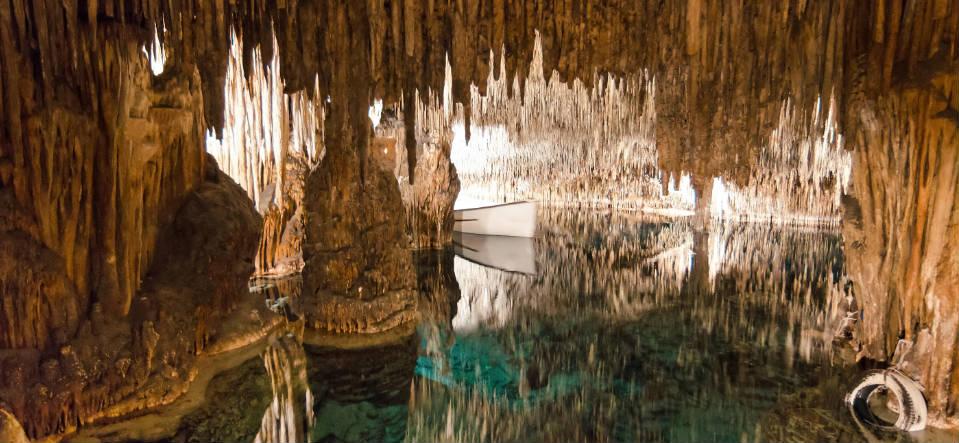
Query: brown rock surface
{"x": 38, "y": 303}
{"x": 431, "y": 190}
{"x": 10, "y": 430}
{"x": 358, "y": 276}
{"x": 114, "y": 366}
{"x": 99, "y": 155}
{"x": 430, "y": 209}
{"x": 902, "y": 230}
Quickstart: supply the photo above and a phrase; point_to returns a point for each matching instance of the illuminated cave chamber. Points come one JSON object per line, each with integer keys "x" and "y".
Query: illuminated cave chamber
{"x": 125, "y": 249}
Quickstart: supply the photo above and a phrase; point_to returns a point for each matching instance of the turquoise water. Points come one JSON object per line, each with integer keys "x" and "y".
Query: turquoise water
{"x": 637, "y": 331}
{"x": 630, "y": 329}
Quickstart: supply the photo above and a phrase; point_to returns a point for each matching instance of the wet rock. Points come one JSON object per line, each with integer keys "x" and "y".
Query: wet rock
{"x": 210, "y": 245}
{"x": 358, "y": 276}
{"x": 126, "y": 364}
{"x": 430, "y": 201}
{"x": 10, "y": 429}
{"x": 234, "y": 408}
{"x": 281, "y": 245}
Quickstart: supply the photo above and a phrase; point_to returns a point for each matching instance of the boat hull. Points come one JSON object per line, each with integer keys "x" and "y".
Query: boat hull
{"x": 510, "y": 219}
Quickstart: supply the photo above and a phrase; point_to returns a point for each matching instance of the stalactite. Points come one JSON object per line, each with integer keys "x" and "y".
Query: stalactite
{"x": 100, "y": 155}
{"x": 562, "y": 143}
{"x": 271, "y": 141}
{"x": 902, "y": 228}
{"x": 801, "y": 175}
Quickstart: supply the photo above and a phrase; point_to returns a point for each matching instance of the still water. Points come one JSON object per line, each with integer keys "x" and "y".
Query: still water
{"x": 606, "y": 327}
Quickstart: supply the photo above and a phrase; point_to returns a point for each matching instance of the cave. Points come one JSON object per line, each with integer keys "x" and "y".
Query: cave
{"x": 479, "y": 220}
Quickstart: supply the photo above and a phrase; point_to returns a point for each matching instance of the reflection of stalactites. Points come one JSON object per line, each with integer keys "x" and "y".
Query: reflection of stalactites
{"x": 787, "y": 272}
{"x": 634, "y": 268}
{"x": 289, "y": 418}
{"x": 439, "y": 294}
{"x": 485, "y": 299}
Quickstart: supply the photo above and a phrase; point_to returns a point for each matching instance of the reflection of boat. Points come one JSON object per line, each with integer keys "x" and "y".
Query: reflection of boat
{"x": 513, "y": 254}
{"x": 516, "y": 219}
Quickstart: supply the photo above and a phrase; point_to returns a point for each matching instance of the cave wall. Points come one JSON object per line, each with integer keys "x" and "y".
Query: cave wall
{"x": 100, "y": 159}
{"x": 114, "y": 366}
{"x": 902, "y": 230}
{"x": 95, "y": 172}
{"x": 97, "y": 154}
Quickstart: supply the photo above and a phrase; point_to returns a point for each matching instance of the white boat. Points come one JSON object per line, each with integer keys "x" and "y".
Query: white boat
{"x": 510, "y": 254}
{"x": 516, "y": 219}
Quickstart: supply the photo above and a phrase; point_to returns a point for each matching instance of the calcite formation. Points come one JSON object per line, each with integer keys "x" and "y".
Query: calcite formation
{"x": 271, "y": 141}
{"x": 358, "y": 270}
{"x": 100, "y": 209}
{"x": 112, "y": 366}
{"x": 40, "y": 305}
{"x": 902, "y": 229}
{"x": 430, "y": 189}
{"x": 563, "y": 143}
{"x": 10, "y": 430}
{"x": 97, "y": 155}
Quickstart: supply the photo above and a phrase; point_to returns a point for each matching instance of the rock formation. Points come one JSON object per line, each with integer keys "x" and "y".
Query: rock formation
{"x": 111, "y": 366}
{"x": 429, "y": 199}
{"x": 10, "y": 430}
{"x": 271, "y": 141}
{"x": 358, "y": 276}
{"x": 902, "y": 229}
{"x": 97, "y": 157}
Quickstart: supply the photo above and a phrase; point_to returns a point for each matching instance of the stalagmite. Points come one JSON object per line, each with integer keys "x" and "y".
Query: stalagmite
{"x": 818, "y": 112}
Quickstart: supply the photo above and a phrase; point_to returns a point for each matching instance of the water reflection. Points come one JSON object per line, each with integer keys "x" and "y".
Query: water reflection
{"x": 362, "y": 395}
{"x": 511, "y": 254}
{"x": 631, "y": 329}
{"x": 289, "y": 417}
